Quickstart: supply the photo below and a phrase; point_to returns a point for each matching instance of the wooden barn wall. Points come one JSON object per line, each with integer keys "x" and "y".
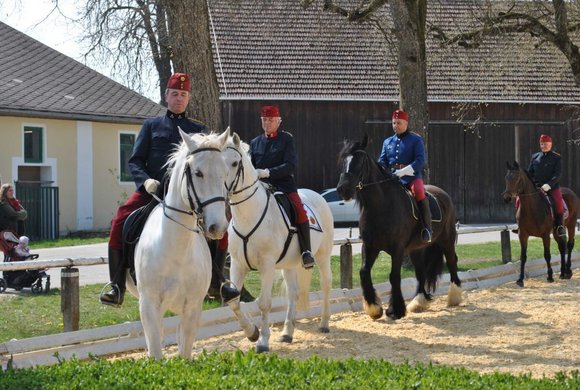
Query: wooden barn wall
{"x": 470, "y": 164}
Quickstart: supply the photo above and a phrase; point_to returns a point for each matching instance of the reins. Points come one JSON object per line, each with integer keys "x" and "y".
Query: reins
{"x": 236, "y": 181}
{"x": 197, "y": 207}
{"x": 364, "y": 172}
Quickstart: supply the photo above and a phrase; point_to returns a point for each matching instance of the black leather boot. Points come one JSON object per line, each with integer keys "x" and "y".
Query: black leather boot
{"x": 560, "y": 230}
{"x": 218, "y": 287}
{"x": 117, "y": 274}
{"x": 427, "y": 232}
{"x": 304, "y": 240}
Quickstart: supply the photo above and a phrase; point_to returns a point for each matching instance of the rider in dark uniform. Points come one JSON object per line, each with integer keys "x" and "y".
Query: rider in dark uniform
{"x": 154, "y": 144}
{"x": 546, "y": 170}
{"x": 274, "y": 156}
{"x": 404, "y": 155}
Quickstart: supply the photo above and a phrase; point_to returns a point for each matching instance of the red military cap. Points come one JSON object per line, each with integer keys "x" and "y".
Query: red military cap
{"x": 179, "y": 81}
{"x": 545, "y": 138}
{"x": 269, "y": 112}
{"x": 400, "y": 114}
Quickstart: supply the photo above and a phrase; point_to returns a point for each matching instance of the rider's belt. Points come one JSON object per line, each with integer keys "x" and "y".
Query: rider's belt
{"x": 398, "y": 166}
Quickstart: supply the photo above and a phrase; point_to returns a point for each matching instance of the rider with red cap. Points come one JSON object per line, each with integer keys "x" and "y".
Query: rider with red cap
{"x": 403, "y": 154}
{"x": 274, "y": 157}
{"x": 546, "y": 170}
{"x": 154, "y": 144}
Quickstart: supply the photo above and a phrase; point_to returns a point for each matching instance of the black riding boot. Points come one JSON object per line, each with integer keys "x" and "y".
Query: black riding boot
{"x": 560, "y": 230}
{"x": 304, "y": 239}
{"x": 117, "y": 274}
{"x": 427, "y": 231}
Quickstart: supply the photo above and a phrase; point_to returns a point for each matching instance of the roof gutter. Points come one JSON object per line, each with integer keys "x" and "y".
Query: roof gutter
{"x": 72, "y": 116}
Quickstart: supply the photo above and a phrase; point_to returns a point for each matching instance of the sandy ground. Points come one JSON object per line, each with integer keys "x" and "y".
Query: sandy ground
{"x": 506, "y": 329}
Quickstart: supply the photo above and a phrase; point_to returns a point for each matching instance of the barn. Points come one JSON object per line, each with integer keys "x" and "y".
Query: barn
{"x": 336, "y": 80}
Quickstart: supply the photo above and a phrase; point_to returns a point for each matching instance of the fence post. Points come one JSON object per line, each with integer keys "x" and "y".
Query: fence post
{"x": 69, "y": 298}
{"x": 346, "y": 265}
{"x": 506, "y": 249}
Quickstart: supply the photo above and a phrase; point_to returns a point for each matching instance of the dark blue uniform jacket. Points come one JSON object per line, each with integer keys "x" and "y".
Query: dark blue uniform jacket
{"x": 278, "y": 154}
{"x": 405, "y": 149}
{"x": 156, "y": 141}
{"x": 546, "y": 168}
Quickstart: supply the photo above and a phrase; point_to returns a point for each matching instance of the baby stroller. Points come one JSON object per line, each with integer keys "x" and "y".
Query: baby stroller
{"x": 20, "y": 279}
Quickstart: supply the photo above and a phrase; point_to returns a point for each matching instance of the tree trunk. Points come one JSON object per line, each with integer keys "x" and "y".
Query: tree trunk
{"x": 409, "y": 18}
{"x": 190, "y": 39}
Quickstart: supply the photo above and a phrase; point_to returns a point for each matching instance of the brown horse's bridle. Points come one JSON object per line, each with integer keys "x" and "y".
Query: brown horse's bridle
{"x": 360, "y": 186}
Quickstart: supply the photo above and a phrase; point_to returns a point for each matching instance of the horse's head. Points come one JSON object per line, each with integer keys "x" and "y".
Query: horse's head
{"x": 514, "y": 181}
{"x": 197, "y": 181}
{"x": 351, "y": 159}
{"x": 239, "y": 165}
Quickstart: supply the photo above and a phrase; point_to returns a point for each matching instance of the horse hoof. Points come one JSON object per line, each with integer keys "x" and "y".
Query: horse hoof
{"x": 324, "y": 329}
{"x": 520, "y": 283}
{"x": 262, "y": 348}
{"x": 550, "y": 279}
{"x": 286, "y": 338}
{"x": 394, "y": 316}
{"x": 374, "y": 310}
{"x": 253, "y": 338}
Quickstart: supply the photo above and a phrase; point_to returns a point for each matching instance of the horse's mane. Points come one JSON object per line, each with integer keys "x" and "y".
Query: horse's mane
{"x": 181, "y": 150}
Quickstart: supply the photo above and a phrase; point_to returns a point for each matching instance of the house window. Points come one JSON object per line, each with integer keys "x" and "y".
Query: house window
{"x": 126, "y": 142}
{"x": 33, "y": 144}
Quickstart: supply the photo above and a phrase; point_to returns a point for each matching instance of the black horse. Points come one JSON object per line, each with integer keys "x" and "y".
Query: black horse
{"x": 534, "y": 218}
{"x": 388, "y": 223}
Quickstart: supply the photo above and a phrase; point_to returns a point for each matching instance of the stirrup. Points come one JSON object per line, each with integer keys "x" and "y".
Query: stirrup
{"x": 229, "y": 291}
{"x": 426, "y": 235}
{"x": 561, "y": 231}
{"x": 307, "y": 260}
{"x": 112, "y": 298}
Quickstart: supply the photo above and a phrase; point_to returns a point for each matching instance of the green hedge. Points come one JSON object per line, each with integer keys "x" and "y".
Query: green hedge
{"x": 238, "y": 370}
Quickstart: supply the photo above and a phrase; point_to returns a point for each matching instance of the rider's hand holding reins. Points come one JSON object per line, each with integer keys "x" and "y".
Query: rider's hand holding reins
{"x": 151, "y": 185}
{"x": 406, "y": 171}
{"x": 546, "y": 187}
{"x": 263, "y": 173}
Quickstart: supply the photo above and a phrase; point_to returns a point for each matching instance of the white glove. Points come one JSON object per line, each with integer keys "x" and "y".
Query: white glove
{"x": 546, "y": 187}
{"x": 263, "y": 173}
{"x": 151, "y": 185}
{"x": 407, "y": 171}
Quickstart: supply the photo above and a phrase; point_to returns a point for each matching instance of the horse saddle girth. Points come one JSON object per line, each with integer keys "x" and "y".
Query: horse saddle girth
{"x": 433, "y": 206}
{"x": 289, "y": 213}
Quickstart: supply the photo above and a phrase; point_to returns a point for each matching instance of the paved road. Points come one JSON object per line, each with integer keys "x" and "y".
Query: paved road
{"x": 97, "y": 274}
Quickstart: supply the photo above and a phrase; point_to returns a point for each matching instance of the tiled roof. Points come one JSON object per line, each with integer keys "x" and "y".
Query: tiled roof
{"x": 36, "y": 80}
{"x": 278, "y": 50}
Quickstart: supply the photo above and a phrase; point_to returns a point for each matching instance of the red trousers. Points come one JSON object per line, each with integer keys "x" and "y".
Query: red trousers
{"x": 136, "y": 200}
{"x": 417, "y": 187}
{"x": 301, "y": 216}
{"x": 558, "y": 200}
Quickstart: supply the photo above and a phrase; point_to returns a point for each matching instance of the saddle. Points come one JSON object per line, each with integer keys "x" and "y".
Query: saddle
{"x": 433, "y": 206}
{"x": 552, "y": 206}
{"x": 290, "y": 215}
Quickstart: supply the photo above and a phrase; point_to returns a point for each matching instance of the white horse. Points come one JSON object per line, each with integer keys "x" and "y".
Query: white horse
{"x": 257, "y": 236}
{"x": 172, "y": 258}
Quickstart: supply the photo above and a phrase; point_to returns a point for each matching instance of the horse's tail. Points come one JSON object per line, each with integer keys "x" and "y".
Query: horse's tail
{"x": 433, "y": 257}
{"x": 304, "y": 278}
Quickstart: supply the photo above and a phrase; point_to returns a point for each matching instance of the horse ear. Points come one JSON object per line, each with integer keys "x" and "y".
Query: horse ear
{"x": 223, "y": 138}
{"x": 236, "y": 139}
{"x": 508, "y": 165}
{"x": 516, "y": 165}
{"x": 191, "y": 145}
{"x": 365, "y": 141}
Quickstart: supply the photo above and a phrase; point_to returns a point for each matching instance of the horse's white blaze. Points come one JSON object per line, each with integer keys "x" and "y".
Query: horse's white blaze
{"x": 172, "y": 258}
{"x": 347, "y": 162}
{"x": 266, "y": 243}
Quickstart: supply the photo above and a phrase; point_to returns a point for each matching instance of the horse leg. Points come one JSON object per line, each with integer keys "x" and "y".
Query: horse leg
{"x": 570, "y": 248}
{"x": 325, "y": 285}
{"x": 523, "y": 257}
{"x": 188, "y": 324}
{"x": 548, "y": 256}
{"x": 371, "y": 302}
{"x": 152, "y": 320}
{"x": 265, "y": 305}
{"x": 421, "y": 300}
{"x": 397, "y": 307}
{"x": 237, "y": 275}
{"x": 455, "y": 293}
{"x": 292, "y": 295}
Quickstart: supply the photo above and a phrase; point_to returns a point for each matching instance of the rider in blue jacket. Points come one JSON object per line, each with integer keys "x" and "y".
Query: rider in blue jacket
{"x": 404, "y": 155}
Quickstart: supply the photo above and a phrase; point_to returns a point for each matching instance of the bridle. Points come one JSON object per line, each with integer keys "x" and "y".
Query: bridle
{"x": 195, "y": 207}
{"x": 239, "y": 179}
{"x": 364, "y": 173}
{"x": 519, "y": 184}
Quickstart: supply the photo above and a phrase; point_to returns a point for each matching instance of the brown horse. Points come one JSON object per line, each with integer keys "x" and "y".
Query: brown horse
{"x": 534, "y": 218}
{"x": 387, "y": 223}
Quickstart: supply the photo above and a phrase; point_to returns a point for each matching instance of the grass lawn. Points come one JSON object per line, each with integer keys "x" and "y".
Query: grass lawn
{"x": 26, "y": 315}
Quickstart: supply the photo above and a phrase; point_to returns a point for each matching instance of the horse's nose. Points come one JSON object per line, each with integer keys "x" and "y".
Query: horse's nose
{"x": 215, "y": 231}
